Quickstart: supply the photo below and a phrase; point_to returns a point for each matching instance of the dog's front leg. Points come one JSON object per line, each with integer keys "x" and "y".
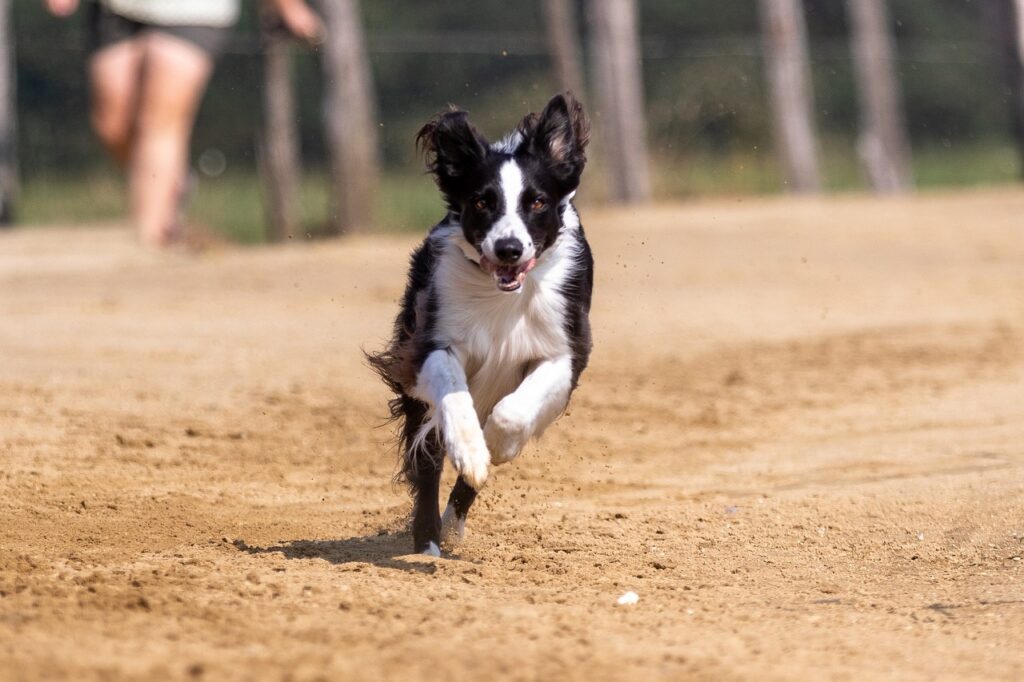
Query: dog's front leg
{"x": 442, "y": 385}
{"x": 527, "y": 411}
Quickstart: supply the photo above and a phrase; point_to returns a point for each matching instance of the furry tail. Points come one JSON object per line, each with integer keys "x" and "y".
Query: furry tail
{"x": 415, "y": 434}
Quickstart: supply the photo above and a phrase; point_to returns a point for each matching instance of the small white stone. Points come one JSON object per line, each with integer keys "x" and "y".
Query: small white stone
{"x": 628, "y": 599}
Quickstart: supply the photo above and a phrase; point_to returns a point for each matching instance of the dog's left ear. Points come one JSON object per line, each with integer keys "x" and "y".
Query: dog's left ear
{"x": 559, "y": 137}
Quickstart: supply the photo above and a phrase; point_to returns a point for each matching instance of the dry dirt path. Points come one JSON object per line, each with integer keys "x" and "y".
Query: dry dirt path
{"x": 800, "y": 441}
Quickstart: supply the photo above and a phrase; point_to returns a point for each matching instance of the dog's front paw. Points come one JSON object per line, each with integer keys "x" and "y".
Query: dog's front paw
{"x": 506, "y": 432}
{"x": 471, "y": 461}
{"x": 464, "y": 440}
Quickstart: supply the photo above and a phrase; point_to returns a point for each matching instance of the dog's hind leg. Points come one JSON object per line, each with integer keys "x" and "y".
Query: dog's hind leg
{"x": 422, "y": 468}
{"x": 426, "y": 521}
{"x": 453, "y": 522}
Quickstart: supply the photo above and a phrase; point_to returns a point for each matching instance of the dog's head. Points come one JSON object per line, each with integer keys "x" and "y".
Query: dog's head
{"x": 509, "y": 196}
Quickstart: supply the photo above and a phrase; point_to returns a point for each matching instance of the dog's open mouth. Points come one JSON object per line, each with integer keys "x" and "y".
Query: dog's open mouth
{"x": 508, "y": 277}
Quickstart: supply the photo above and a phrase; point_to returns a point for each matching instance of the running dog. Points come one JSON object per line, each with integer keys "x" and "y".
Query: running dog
{"x": 494, "y": 327}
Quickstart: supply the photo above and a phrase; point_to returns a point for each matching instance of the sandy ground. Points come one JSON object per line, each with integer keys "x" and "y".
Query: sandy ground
{"x": 800, "y": 442}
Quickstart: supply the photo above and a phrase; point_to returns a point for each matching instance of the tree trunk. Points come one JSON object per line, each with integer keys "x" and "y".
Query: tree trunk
{"x": 8, "y": 118}
{"x": 1015, "y": 74}
{"x": 618, "y": 82}
{"x": 1018, "y": 5}
{"x": 563, "y": 44}
{"x": 883, "y": 146}
{"x": 280, "y": 160}
{"x": 790, "y": 92}
{"x": 1005, "y": 19}
{"x": 350, "y": 118}
{"x": 1018, "y": 78}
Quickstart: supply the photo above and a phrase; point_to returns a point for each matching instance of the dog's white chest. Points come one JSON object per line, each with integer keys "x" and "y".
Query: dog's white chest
{"x": 498, "y": 336}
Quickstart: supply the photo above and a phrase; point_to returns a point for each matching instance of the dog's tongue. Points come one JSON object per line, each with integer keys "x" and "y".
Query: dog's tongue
{"x": 508, "y": 277}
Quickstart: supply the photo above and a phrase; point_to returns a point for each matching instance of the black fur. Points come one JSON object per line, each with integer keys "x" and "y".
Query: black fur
{"x": 551, "y": 154}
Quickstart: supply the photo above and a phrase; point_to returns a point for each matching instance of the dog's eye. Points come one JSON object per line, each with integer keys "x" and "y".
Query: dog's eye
{"x": 539, "y": 204}
{"x": 480, "y": 205}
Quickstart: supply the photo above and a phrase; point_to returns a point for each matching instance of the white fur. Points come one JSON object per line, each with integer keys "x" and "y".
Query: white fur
{"x": 509, "y": 144}
{"x": 511, "y": 353}
{"x": 442, "y": 385}
{"x": 432, "y": 550}
{"x": 525, "y": 413}
{"x": 510, "y": 224}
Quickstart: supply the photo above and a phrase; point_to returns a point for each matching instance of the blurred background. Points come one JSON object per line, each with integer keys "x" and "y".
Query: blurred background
{"x": 690, "y": 98}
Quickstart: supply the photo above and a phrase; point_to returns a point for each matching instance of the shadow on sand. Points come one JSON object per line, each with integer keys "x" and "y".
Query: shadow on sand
{"x": 386, "y": 551}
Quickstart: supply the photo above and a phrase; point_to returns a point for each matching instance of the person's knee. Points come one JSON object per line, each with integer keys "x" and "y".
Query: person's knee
{"x": 115, "y": 131}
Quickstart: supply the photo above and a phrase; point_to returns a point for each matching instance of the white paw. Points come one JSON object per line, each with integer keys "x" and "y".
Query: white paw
{"x": 453, "y": 529}
{"x": 507, "y": 430}
{"x": 464, "y": 439}
{"x": 471, "y": 461}
{"x": 432, "y": 550}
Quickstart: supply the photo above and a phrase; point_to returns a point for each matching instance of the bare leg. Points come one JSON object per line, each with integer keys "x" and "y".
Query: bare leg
{"x": 175, "y": 74}
{"x": 115, "y": 74}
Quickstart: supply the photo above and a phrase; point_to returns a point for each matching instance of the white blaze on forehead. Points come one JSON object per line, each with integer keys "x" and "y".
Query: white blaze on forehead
{"x": 510, "y": 223}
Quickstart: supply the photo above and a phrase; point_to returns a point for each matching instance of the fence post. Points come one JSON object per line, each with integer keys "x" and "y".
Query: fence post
{"x": 280, "y": 162}
{"x": 563, "y": 45}
{"x": 619, "y": 88}
{"x": 790, "y": 92}
{"x": 1004, "y": 21}
{"x": 883, "y": 146}
{"x": 350, "y": 118}
{"x": 1017, "y": 71}
{"x": 8, "y": 118}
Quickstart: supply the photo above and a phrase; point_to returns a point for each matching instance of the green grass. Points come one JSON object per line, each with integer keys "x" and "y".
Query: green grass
{"x": 232, "y": 204}
{"x": 979, "y": 164}
{"x": 758, "y": 172}
{"x": 89, "y": 198}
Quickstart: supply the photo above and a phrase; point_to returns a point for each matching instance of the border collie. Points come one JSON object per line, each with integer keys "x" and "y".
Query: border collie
{"x": 493, "y": 331}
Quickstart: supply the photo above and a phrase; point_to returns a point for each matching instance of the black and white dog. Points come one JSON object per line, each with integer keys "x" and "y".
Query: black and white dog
{"x": 494, "y": 329}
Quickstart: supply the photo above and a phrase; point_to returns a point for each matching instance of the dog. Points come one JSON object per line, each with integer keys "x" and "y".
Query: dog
{"x": 494, "y": 329}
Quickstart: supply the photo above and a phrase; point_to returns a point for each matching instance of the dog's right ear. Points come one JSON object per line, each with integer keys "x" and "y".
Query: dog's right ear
{"x": 452, "y": 146}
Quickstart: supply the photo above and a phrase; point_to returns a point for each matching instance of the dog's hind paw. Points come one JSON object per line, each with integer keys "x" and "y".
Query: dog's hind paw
{"x": 506, "y": 432}
{"x": 453, "y": 528}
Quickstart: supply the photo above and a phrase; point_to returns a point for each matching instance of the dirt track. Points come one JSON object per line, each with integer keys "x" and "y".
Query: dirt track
{"x": 800, "y": 441}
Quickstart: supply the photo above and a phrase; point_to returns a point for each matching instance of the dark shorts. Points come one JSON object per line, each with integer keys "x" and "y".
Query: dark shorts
{"x": 107, "y": 28}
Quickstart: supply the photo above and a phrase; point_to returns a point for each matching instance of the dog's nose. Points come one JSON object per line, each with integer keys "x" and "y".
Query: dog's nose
{"x": 508, "y": 249}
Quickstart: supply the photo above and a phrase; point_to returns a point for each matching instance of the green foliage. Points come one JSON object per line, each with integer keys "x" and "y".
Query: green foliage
{"x": 232, "y": 204}
{"x": 707, "y": 114}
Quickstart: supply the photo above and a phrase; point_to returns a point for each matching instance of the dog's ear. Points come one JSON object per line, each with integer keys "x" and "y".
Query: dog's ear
{"x": 559, "y": 137}
{"x": 452, "y": 146}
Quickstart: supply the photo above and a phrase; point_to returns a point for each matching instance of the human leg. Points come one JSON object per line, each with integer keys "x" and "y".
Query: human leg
{"x": 114, "y": 76}
{"x": 174, "y": 76}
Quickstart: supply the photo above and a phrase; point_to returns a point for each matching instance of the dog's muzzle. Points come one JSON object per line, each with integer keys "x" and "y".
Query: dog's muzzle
{"x": 507, "y": 277}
